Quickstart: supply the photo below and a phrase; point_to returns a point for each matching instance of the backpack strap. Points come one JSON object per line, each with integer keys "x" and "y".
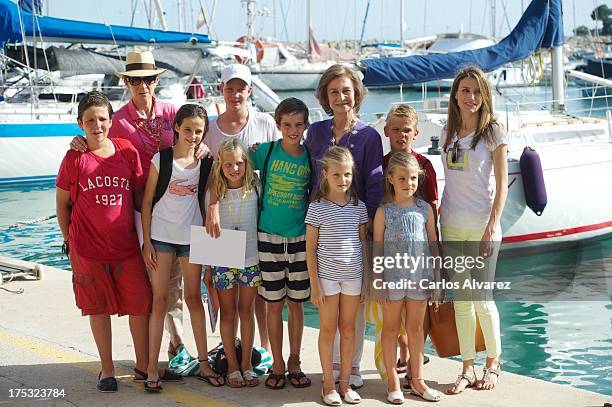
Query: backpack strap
{"x": 311, "y": 178}
{"x": 165, "y": 173}
{"x": 206, "y": 164}
{"x": 264, "y": 173}
{"x": 256, "y": 189}
{"x": 72, "y": 162}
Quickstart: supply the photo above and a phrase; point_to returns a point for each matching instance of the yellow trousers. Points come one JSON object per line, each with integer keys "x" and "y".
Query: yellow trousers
{"x": 466, "y": 311}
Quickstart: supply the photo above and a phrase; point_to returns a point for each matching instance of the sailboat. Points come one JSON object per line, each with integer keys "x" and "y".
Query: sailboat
{"x": 39, "y": 92}
{"x": 575, "y": 152}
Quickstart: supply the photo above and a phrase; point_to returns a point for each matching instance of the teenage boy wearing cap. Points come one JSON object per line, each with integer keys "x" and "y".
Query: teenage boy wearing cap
{"x": 148, "y": 124}
{"x": 250, "y": 127}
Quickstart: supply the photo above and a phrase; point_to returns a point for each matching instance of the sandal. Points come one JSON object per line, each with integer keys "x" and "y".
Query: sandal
{"x": 296, "y": 377}
{"x": 428, "y": 395}
{"x": 235, "y": 379}
{"x": 165, "y": 375}
{"x": 153, "y": 389}
{"x": 395, "y": 397}
{"x": 250, "y": 378}
{"x": 332, "y": 398}
{"x": 208, "y": 378}
{"x": 280, "y": 381}
{"x": 486, "y": 377}
{"x": 350, "y": 396}
{"x": 407, "y": 380}
{"x": 464, "y": 376}
{"x": 401, "y": 367}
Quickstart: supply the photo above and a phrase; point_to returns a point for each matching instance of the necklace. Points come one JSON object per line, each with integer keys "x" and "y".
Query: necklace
{"x": 350, "y": 131}
{"x": 230, "y": 209}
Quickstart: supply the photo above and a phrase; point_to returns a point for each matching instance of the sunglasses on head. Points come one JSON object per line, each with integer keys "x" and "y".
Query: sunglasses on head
{"x": 455, "y": 152}
{"x": 137, "y": 80}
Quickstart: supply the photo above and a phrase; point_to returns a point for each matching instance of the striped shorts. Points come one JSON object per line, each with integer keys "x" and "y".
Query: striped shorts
{"x": 282, "y": 261}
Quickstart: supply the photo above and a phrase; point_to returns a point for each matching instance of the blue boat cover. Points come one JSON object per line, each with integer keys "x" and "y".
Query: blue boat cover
{"x": 541, "y": 26}
{"x": 58, "y": 29}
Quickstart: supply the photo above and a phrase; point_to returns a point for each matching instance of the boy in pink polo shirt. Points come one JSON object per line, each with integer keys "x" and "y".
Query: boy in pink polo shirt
{"x": 95, "y": 200}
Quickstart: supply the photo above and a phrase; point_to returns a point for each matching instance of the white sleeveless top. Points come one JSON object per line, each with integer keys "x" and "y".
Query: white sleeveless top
{"x": 178, "y": 208}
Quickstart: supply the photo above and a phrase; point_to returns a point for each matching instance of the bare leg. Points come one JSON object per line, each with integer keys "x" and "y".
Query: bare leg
{"x": 139, "y": 328}
{"x": 346, "y": 325}
{"x": 262, "y": 326}
{"x": 328, "y": 323}
{"x": 101, "y": 330}
{"x": 391, "y": 325}
{"x": 246, "y": 304}
{"x": 296, "y": 333}
{"x": 415, "y": 312}
{"x": 173, "y": 320}
{"x": 160, "y": 278}
{"x": 192, "y": 277}
{"x": 275, "y": 333}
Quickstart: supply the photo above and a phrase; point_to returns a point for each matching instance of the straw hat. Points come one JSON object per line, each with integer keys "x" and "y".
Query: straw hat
{"x": 140, "y": 64}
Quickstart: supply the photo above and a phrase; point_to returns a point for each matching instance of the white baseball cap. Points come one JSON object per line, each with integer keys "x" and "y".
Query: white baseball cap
{"x": 236, "y": 71}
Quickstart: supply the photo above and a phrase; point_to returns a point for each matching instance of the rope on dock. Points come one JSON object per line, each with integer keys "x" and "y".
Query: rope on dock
{"x": 10, "y": 278}
{"x": 22, "y": 223}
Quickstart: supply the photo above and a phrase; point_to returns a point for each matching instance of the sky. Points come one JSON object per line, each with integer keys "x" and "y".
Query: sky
{"x": 331, "y": 19}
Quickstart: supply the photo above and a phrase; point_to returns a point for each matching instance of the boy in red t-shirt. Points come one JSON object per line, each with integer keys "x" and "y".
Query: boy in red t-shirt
{"x": 401, "y": 128}
{"x": 95, "y": 199}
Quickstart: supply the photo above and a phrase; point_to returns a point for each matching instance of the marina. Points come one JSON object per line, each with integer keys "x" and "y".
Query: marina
{"x": 556, "y": 343}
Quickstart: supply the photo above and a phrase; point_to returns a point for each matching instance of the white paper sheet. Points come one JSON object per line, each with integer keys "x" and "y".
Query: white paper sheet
{"x": 226, "y": 251}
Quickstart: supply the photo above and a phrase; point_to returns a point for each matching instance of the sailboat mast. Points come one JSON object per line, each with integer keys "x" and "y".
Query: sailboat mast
{"x": 558, "y": 77}
{"x": 401, "y": 23}
{"x": 250, "y": 12}
{"x": 160, "y": 15}
{"x": 309, "y": 28}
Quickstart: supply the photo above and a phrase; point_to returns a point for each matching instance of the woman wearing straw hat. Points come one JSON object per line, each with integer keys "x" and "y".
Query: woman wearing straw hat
{"x": 147, "y": 123}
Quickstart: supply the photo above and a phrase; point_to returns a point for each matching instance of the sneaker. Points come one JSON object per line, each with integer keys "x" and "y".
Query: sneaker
{"x": 184, "y": 364}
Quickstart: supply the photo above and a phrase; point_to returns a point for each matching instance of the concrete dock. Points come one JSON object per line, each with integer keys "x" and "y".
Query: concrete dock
{"x": 46, "y": 344}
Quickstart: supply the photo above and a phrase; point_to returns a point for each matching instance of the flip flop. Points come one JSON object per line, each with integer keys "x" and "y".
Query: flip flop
{"x": 153, "y": 389}
{"x": 298, "y": 376}
{"x": 207, "y": 379}
{"x": 235, "y": 379}
{"x": 166, "y": 375}
{"x": 281, "y": 381}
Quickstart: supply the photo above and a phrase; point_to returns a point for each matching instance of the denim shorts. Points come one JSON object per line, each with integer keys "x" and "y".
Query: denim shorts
{"x": 181, "y": 250}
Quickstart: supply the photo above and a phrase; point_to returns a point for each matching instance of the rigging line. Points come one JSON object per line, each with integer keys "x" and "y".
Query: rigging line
{"x": 134, "y": 6}
{"x": 42, "y": 42}
{"x": 25, "y": 50}
{"x": 503, "y": 3}
{"x": 484, "y": 18}
{"x": 344, "y": 24}
{"x": 285, "y": 13}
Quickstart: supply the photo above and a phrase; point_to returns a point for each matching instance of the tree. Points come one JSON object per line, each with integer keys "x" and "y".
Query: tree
{"x": 581, "y": 31}
{"x": 604, "y": 14}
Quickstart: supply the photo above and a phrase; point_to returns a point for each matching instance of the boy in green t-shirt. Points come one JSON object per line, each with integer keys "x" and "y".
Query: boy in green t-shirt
{"x": 285, "y": 172}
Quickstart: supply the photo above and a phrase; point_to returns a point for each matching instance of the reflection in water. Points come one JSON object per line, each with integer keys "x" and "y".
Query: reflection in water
{"x": 568, "y": 342}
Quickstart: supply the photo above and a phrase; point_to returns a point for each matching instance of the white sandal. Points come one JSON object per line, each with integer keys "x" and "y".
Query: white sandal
{"x": 395, "y": 397}
{"x": 332, "y": 398}
{"x": 351, "y": 396}
{"x": 428, "y": 395}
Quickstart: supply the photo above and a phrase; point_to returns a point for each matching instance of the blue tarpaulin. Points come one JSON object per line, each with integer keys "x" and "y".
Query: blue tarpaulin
{"x": 541, "y": 26}
{"x": 62, "y": 30}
